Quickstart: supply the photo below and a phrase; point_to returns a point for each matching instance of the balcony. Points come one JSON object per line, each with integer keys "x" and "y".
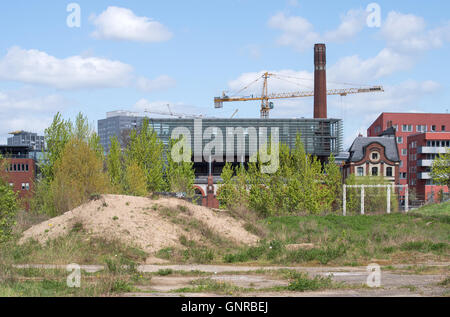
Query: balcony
{"x": 431, "y": 150}
{"x": 425, "y": 163}
{"x": 423, "y": 175}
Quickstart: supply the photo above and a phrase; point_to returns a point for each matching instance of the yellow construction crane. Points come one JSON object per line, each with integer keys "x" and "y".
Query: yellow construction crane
{"x": 266, "y": 106}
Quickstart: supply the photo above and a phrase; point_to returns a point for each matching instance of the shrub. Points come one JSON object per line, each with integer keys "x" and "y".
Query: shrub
{"x": 78, "y": 175}
{"x": 302, "y": 282}
{"x": 8, "y": 210}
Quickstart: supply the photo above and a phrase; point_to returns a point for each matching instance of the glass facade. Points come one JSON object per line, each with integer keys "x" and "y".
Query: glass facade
{"x": 321, "y": 137}
{"x": 23, "y": 138}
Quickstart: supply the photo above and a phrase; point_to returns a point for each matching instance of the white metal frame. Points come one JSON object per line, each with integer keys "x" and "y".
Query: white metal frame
{"x": 388, "y": 188}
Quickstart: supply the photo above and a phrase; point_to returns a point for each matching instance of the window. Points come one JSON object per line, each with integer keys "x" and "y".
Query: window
{"x": 400, "y": 140}
{"x": 389, "y": 171}
{"x": 360, "y": 171}
{"x": 165, "y": 129}
{"x": 404, "y": 152}
{"x": 403, "y": 175}
{"x": 407, "y": 128}
{"x": 374, "y": 156}
{"x": 443, "y": 128}
{"x": 433, "y": 128}
{"x": 374, "y": 171}
{"x": 421, "y": 128}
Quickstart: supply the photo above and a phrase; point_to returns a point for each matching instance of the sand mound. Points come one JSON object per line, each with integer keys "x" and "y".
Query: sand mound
{"x": 147, "y": 223}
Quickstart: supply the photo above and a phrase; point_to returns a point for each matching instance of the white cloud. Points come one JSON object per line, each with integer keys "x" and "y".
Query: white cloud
{"x": 355, "y": 69}
{"x": 74, "y": 72}
{"x": 408, "y": 33}
{"x": 122, "y": 24}
{"x": 299, "y": 33}
{"x": 37, "y": 67}
{"x": 352, "y": 23}
{"x": 24, "y": 109}
{"x": 162, "y": 82}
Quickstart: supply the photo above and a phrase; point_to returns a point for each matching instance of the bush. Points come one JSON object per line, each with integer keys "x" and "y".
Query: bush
{"x": 8, "y": 210}
{"x": 78, "y": 175}
{"x": 302, "y": 282}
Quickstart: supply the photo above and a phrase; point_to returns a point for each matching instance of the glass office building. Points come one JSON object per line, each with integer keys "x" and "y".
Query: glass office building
{"x": 321, "y": 137}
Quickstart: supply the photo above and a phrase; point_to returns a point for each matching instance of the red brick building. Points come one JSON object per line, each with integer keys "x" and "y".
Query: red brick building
{"x": 423, "y": 148}
{"x": 20, "y": 169}
{"x": 407, "y": 124}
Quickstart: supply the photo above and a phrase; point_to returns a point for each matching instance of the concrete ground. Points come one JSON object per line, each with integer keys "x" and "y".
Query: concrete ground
{"x": 398, "y": 280}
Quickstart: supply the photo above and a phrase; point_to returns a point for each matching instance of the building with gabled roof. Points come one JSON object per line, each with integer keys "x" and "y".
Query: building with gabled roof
{"x": 374, "y": 156}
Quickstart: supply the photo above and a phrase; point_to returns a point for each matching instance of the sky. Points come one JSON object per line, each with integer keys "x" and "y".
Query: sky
{"x": 104, "y": 55}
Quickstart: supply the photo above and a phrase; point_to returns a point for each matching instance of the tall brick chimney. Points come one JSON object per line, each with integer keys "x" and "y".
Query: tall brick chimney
{"x": 320, "y": 81}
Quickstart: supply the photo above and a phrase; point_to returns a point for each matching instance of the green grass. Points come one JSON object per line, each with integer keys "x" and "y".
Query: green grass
{"x": 338, "y": 240}
{"x": 445, "y": 282}
{"x": 210, "y": 285}
{"x": 434, "y": 210}
{"x": 76, "y": 247}
{"x": 301, "y": 282}
{"x": 164, "y": 272}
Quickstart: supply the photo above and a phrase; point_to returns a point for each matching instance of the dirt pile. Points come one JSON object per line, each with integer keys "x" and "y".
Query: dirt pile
{"x": 149, "y": 224}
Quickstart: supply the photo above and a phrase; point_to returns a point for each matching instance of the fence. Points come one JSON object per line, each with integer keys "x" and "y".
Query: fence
{"x": 389, "y": 188}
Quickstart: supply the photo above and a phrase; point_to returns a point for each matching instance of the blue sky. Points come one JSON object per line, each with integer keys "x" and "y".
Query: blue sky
{"x": 134, "y": 55}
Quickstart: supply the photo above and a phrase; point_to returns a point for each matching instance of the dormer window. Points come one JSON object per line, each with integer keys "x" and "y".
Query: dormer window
{"x": 375, "y": 156}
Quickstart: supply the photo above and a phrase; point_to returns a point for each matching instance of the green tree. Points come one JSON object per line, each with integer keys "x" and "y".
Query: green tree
{"x": 440, "y": 170}
{"x": 147, "y": 149}
{"x": 94, "y": 144}
{"x": 226, "y": 188}
{"x": 82, "y": 129}
{"x": 333, "y": 182}
{"x": 135, "y": 182}
{"x": 260, "y": 198}
{"x": 56, "y": 138}
{"x": 8, "y": 206}
{"x": 180, "y": 175}
{"x": 114, "y": 162}
{"x": 78, "y": 174}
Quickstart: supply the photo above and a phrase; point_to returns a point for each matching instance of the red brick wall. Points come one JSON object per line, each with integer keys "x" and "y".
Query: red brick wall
{"x": 423, "y": 190}
{"x": 414, "y": 119}
{"x": 17, "y": 178}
